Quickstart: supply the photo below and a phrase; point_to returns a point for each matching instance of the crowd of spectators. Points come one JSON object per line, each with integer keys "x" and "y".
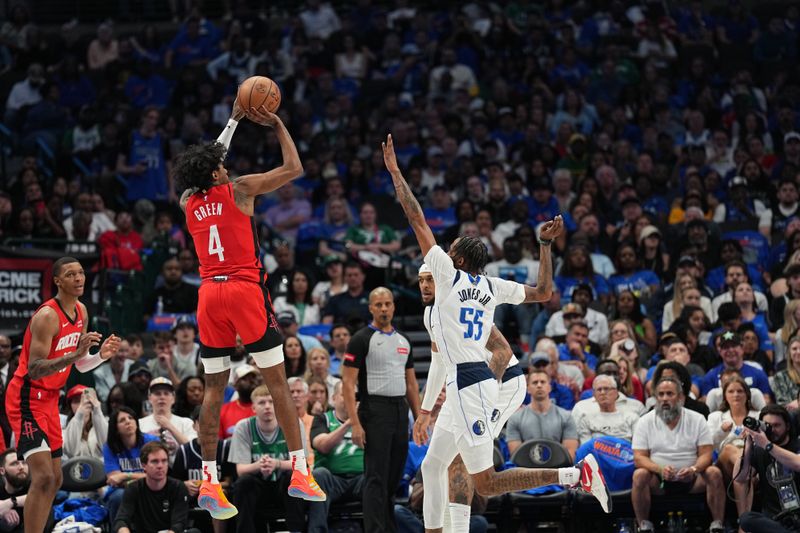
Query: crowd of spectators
{"x": 667, "y": 136}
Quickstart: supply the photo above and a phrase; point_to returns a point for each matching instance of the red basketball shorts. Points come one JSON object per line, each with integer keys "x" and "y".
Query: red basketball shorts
{"x": 33, "y": 415}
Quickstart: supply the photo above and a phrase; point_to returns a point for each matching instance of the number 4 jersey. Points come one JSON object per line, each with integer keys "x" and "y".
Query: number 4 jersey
{"x": 463, "y": 314}
{"x": 225, "y": 239}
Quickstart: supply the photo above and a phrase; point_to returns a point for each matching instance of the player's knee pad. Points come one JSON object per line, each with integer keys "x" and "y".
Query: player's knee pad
{"x": 268, "y": 358}
{"x": 215, "y": 365}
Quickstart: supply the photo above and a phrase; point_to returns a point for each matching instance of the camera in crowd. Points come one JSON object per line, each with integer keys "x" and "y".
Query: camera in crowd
{"x": 755, "y": 424}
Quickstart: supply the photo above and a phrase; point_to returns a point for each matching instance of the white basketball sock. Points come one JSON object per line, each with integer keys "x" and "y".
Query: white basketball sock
{"x": 569, "y": 476}
{"x": 459, "y": 517}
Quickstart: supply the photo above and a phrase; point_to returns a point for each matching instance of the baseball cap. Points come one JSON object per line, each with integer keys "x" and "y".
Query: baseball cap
{"x": 647, "y": 231}
{"x": 539, "y": 357}
{"x": 542, "y": 182}
{"x": 77, "y": 390}
{"x": 331, "y": 259}
{"x": 434, "y": 151}
{"x": 730, "y": 338}
{"x": 572, "y": 309}
{"x": 184, "y": 321}
{"x": 633, "y": 199}
{"x": 737, "y": 181}
{"x": 585, "y": 287}
{"x": 791, "y": 135}
{"x": 424, "y": 269}
{"x": 161, "y": 382}
{"x": 138, "y": 367}
{"x": 575, "y": 137}
{"x": 244, "y": 370}
{"x": 505, "y": 111}
{"x": 286, "y": 318}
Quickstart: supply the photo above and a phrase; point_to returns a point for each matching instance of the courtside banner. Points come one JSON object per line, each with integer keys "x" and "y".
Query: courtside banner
{"x": 25, "y": 284}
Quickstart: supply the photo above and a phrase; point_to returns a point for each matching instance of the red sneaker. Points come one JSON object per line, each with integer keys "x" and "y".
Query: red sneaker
{"x": 593, "y": 482}
{"x": 213, "y": 500}
{"x": 305, "y": 486}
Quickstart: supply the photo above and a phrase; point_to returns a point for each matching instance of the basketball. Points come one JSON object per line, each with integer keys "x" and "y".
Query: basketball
{"x": 256, "y": 91}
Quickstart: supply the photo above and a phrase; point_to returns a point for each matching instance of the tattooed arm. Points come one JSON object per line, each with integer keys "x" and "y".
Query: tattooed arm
{"x": 185, "y": 197}
{"x": 407, "y": 199}
{"x": 44, "y": 328}
{"x": 501, "y": 352}
{"x": 544, "y": 285}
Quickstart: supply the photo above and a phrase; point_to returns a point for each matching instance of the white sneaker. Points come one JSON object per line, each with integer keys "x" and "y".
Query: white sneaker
{"x": 593, "y": 482}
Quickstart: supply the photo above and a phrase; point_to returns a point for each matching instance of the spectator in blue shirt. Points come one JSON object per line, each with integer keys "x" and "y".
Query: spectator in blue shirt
{"x": 542, "y": 205}
{"x": 189, "y": 48}
{"x": 121, "y": 455}
{"x": 578, "y": 270}
{"x": 440, "y": 215}
{"x": 732, "y": 353}
{"x": 146, "y": 88}
{"x": 575, "y": 348}
{"x": 631, "y": 277}
{"x": 560, "y": 394}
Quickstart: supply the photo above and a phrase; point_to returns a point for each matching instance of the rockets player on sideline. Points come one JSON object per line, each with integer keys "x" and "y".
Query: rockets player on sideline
{"x": 55, "y": 338}
{"x": 462, "y": 318}
{"x": 505, "y": 368}
{"x": 233, "y": 296}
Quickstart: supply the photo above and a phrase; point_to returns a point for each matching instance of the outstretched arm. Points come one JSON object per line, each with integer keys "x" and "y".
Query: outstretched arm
{"x": 407, "y": 199}
{"x": 255, "y": 184}
{"x": 544, "y": 285}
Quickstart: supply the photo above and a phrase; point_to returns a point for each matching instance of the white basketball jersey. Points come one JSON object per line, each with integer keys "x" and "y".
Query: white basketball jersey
{"x": 462, "y": 317}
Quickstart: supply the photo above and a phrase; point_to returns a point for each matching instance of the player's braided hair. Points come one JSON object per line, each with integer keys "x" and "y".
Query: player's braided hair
{"x": 473, "y": 252}
{"x": 194, "y": 167}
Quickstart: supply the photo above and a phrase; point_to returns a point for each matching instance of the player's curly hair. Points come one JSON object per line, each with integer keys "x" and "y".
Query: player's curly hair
{"x": 473, "y": 252}
{"x": 194, "y": 167}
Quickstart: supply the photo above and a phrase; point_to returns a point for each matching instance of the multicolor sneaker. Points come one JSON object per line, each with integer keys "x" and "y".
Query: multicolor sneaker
{"x": 593, "y": 482}
{"x": 305, "y": 486}
{"x": 213, "y": 500}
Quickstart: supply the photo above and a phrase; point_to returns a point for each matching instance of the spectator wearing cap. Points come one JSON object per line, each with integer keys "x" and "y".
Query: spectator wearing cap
{"x": 87, "y": 428}
{"x": 731, "y": 250}
{"x": 515, "y": 267}
{"x": 787, "y": 208}
{"x": 609, "y": 421}
{"x": 576, "y": 270}
{"x": 579, "y": 310}
{"x": 171, "y": 429}
{"x": 441, "y": 214}
{"x": 288, "y": 323}
{"x": 542, "y": 419}
{"x": 298, "y": 299}
{"x": 736, "y": 273}
{"x": 334, "y": 284}
{"x": 652, "y": 252}
{"x": 560, "y": 394}
{"x": 289, "y": 213}
{"x": 352, "y": 304}
{"x": 246, "y": 379}
{"x": 140, "y": 375}
{"x": 742, "y": 207}
{"x": 790, "y": 160}
{"x": 730, "y": 349}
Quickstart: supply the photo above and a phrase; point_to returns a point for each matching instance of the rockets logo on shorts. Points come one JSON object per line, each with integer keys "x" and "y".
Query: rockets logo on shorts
{"x": 479, "y": 427}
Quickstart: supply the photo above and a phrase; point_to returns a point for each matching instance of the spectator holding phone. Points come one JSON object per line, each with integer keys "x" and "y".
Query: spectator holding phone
{"x": 87, "y": 428}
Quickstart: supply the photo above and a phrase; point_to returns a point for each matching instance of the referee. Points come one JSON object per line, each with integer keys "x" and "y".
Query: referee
{"x": 378, "y": 359}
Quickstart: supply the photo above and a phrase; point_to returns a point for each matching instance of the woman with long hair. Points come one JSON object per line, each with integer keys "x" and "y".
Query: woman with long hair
{"x": 578, "y": 269}
{"x": 335, "y": 222}
{"x": 87, "y": 428}
{"x": 791, "y": 324}
{"x": 628, "y": 306}
{"x": 298, "y": 299}
{"x": 786, "y": 383}
{"x": 121, "y": 455}
{"x": 697, "y": 321}
{"x": 319, "y": 364}
{"x": 726, "y": 423}
{"x": 125, "y": 394}
{"x": 326, "y": 289}
{"x": 672, "y": 309}
{"x": 620, "y": 331}
{"x": 318, "y": 395}
{"x": 628, "y": 378}
{"x": 189, "y": 395}
{"x": 651, "y": 250}
{"x": 295, "y": 356}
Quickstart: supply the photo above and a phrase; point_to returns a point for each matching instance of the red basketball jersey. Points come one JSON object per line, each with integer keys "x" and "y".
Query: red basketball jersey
{"x": 65, "y": 342}
{"x": 225, "y": 239}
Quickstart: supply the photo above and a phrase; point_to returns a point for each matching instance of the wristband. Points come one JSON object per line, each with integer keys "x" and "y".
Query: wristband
{"x": 227, "y": 134}
{"x": 545, "y": 242}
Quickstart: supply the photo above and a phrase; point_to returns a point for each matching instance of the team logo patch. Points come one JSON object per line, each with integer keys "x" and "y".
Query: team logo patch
{"x": 540, "y": 454}
{"x": 479, "y": 428}
{"x": 402, "y": 351}
{"x": 495, "y": 415}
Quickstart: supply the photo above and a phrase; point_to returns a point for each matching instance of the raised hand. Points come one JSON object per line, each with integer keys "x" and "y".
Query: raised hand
{"x": 238, "y": 113}
{"x": 389, "y": 157}
{"x": 110, "y": 347}
{"x": 86, "y": 341}
{"x": 260, "y": 115}
{"x": 552, "y": 228}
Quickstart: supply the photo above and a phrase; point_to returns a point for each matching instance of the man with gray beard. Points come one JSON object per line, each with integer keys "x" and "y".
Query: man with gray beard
{"x": 672, "y": 449}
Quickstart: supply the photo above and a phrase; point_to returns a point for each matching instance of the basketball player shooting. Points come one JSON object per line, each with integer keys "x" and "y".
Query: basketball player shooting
{"x": 462, "y": 320}
{"x": 233, "y": 296}
{"x": 57, "y": 336}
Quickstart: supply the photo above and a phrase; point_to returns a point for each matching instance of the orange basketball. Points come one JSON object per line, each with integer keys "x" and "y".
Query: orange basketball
{"x": 257, "y": 91}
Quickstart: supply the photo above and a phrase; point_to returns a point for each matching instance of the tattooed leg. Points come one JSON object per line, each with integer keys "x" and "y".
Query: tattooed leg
{"x": 209, "y": 415}
{"x": 461, "y": 486}
{"x": 491, "y": 483}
